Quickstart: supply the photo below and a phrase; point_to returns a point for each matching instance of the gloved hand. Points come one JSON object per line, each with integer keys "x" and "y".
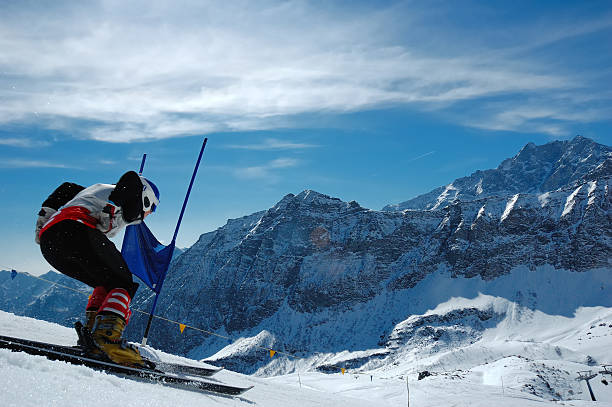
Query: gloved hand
{"x": 43, "y": 216}
{"x": 108, "y": 220}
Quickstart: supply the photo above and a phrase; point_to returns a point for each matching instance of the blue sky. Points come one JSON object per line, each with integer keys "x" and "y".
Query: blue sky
{"x": 369, "y": 101}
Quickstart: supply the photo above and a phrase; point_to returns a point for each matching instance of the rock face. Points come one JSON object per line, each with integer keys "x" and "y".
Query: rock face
{"x": 312, "y": 259}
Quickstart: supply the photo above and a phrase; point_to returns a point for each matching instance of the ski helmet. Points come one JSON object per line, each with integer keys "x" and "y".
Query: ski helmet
{"x": 150, "y": 195}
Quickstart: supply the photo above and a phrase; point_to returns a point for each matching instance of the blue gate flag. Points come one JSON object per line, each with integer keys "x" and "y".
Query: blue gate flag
{"x": 145, "y": 256}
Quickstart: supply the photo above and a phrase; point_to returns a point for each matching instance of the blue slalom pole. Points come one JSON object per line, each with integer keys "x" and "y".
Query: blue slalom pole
{"x": 195, "y": 170}
{"x": 142, "y": 163}
{"x": 178, "y": 225}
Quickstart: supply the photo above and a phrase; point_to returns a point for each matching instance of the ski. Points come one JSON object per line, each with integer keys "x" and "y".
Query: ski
{"x": 186, "y": 369}
{"x": 76, "y": 356}
{"x": 85, "y": 339}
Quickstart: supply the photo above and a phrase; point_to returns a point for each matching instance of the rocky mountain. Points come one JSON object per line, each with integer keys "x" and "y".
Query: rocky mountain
{"x": 50, "y": 297}
{"x": 315, "y": 274}
{"x": 535, "y": 169}
{"x": 333, "y": 282}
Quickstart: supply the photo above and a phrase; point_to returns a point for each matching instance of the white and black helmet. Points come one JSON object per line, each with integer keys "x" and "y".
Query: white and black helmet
{"x": 150, "y": 195}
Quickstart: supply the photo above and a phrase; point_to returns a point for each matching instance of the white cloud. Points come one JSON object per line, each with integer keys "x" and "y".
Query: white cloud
{"x": 550, "y": 116}
{"x": 266, "y": 171}
{"x": 23, "y": 142}
{"x": 21, "y": 163}
{"x": 107, "y": 162}
{"x": 142, "y": 70}
{"x": 272, "y": 144}
{"x": 283, "y": 163}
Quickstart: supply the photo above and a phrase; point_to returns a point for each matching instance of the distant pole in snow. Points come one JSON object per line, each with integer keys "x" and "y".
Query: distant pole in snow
{"x": 590, "y": 390}
{"x": 586, "y": 376}
{"x": 605, "y": 372}
{"x": 407, "y": 391}
{"x": 502, "y": 380}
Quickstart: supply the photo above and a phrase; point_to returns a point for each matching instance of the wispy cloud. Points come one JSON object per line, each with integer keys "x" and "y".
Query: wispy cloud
{"x": 20, "y": 163}
{"x": 142, "y": 70}
{"x": 266, "y": 171}
{"x": 272, "y": 144}
{"x": 550, "y": 116}
{"x": 23, "y": 142}
{"x": 107, "y": 162}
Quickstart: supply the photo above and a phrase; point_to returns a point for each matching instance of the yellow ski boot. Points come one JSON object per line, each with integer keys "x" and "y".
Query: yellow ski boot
{"x": 108, "y": 328}
{"x": 107, "y": 337}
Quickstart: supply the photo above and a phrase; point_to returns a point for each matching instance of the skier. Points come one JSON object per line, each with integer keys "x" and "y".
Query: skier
{"x": 73, "y": 236}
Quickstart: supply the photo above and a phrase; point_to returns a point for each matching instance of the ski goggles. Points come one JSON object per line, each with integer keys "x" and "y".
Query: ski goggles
{"x": 147, "y": 204}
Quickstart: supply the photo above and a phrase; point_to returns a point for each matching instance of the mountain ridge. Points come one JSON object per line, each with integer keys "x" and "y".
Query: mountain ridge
{"x": 320, "y": 275}
{"x": 534, "y": 169}
{"x": 314, "y": 258}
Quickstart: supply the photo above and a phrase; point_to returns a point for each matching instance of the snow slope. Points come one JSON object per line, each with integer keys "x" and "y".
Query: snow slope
{"x": 29, "y": 380}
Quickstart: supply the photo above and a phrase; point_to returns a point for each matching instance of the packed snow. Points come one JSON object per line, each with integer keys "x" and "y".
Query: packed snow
{"x": 501, "y": 369}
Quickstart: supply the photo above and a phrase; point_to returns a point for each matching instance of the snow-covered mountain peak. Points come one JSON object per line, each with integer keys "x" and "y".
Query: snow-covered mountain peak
{"x": 282, "y": 204}
{"x": 310, "y": 197}
{"x": 309, "y": 201}
{"x": 535, "y": 169}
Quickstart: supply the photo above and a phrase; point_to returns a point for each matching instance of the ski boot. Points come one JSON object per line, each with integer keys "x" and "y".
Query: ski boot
{"x": 110, "y": 322}
{"x": 95, "y": 301}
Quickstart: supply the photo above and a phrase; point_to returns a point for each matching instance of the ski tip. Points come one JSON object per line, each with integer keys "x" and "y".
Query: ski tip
{"x": 244, "y": 390}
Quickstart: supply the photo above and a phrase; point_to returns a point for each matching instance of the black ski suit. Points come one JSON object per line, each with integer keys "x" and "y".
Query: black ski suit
{"x": 74, "y": 239}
